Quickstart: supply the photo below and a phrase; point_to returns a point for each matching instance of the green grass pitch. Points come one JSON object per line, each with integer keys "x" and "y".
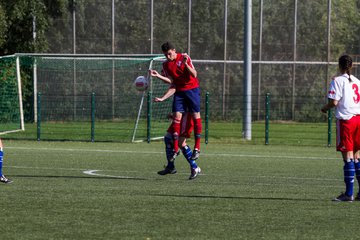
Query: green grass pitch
{"x": 77, "y": 190}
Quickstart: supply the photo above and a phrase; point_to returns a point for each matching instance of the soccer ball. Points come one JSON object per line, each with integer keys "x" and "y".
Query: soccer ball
{"x": 141, "y": 83}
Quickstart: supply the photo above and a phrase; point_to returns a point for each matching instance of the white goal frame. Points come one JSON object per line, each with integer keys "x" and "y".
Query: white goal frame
{"x": 21, "y": 109}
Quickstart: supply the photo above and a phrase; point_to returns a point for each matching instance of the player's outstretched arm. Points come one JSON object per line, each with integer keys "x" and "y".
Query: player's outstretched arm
{"x": 154, "y": 73}
{"x": 168, "y": 94}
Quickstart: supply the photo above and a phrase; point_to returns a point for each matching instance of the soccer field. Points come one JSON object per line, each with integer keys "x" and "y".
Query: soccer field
{"x": 76, "y": 190}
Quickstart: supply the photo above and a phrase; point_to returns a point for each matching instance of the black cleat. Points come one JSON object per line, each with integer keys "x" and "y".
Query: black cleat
{"x": 167, "y": 171}
{"x": 195, "y": 154}
{"x": 343, "y": 198}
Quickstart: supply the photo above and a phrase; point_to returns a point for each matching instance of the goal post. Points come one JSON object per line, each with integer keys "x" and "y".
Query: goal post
{"x": 11, "y": 103}
{"x": 66, "y": 82}
{"x": 153, "y": 115}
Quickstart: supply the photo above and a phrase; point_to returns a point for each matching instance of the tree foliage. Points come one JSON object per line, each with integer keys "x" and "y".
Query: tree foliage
{"x": 20, "y": 16}
{"x": 3, "y": 27}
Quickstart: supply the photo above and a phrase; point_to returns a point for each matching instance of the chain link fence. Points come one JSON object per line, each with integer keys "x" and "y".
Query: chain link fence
{"x": 295, "y": 48}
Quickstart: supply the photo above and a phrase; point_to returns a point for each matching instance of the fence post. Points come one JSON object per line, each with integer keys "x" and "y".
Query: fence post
{"x": 267, "y": 117}
{"x": 92, "y": 117}
{"x": 329, "y": 127}
{"x": 149, "y": 107}
{"x": 207, "y": 118}
{"x": 38, "y": 116}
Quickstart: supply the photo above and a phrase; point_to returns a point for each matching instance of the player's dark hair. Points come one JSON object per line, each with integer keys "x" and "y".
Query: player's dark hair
{"x": 345, "y": 64}
{"x": 167, "y": 46}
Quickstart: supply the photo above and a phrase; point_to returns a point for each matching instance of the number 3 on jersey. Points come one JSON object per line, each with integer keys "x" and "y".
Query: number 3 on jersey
{"x": 356, "y": 92}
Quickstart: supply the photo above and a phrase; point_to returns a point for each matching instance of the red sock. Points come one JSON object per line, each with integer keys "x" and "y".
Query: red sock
{"x": 176, "y": 131}
{"x": 197, "y": 131}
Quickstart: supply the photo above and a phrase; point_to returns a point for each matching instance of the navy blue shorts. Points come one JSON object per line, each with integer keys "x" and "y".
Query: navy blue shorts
{"x": 187, "y": 101}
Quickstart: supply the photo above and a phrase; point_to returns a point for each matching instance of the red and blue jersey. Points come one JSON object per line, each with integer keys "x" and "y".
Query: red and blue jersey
{"x": 176, "y": 70}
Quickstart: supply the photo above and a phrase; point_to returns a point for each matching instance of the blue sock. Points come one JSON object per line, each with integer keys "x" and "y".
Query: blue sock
{"x": 1, "y": 161}
{"x": 169, "y": 152}
{"x": 349, "y": 172}
{"x": 357, "y": 172}
{"x": 187, "y": 154}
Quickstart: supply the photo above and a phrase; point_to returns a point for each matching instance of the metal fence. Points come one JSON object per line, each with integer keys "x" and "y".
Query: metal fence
{"x": 295, "y": 44}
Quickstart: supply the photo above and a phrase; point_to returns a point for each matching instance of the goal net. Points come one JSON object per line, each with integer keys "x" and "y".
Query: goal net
{"x": 154, "y": 113}
{"x": 11, "y": 108}
{"x": 63, "y": 90}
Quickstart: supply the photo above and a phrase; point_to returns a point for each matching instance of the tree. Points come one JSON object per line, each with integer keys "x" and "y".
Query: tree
{"x": 59, "y": 33}
{"x": 19, "y": 21}
{"x": 3, "y": 26}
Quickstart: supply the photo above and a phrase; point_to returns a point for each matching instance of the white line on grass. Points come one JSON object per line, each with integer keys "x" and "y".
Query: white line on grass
{"x": 69, "y": 169}
{"x": 46, "y": 168}
{"x": 213, "y": 176}
{"x": 147, "y": 152}
{"x": 94, "y": 173}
